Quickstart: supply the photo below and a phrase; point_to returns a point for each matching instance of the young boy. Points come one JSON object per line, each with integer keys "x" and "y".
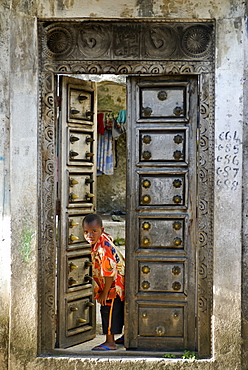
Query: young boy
{"x": 108, "y": 268}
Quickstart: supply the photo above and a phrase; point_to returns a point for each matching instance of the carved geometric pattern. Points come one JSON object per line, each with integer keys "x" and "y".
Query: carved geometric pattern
{"x": 196, "y": 41}
{"x": 152, "y": 48}
{"x": 129, "y": 40}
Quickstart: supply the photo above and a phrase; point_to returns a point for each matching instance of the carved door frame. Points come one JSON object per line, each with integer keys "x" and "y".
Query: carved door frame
{"x": 150, "y": 47}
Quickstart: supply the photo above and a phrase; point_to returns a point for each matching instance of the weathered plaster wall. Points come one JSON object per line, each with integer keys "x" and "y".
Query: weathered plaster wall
{"x": 228, "y": 189}
{"x": 21, "y": 18}
{"x": 24, "y": 212}
{"x": 245, "y": 215}
{"x": 4, "y": 184}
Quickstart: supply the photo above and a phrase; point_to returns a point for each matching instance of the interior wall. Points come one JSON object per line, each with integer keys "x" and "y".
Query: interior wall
{"x": 111, "y": 189}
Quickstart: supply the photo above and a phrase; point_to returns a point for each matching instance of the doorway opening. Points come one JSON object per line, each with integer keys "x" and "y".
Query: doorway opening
{"x": 136, "y": 48}
{"x": 161, "y": 204}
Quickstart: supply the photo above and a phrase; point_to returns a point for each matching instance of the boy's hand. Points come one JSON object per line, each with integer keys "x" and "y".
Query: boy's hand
{"x": 104, "y": 295}
{"x": 102, "y": 298}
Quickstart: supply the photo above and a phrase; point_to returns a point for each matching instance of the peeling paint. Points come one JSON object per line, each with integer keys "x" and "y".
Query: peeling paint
{"x": 127, "y": 12}
{"x": 145, "y": 8}
{"x": 65, "y": 4}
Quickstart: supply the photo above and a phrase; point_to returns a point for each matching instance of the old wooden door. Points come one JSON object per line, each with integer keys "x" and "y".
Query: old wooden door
{"x": 76, "y": 151}
{"x": 161, "y": 213}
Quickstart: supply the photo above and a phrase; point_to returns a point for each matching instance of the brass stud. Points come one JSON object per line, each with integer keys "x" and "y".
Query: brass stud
{"x": 147, "y": 139}
{"x": 89, "y": 304}
{"x": 144, "y": 315}
{"x": 89, "y": 155}
{"x": 73, "y": 182}
{"x": 145, "y": 284}
{"x": 146, "y": 241}
{"x": 147, "y": 111}
{"x": 73, "y": 139}
{"x": 177, "y": 111}
{"x": 178, "y": 139}
{"x": 146, "y": 269}
{"x": 146, "y": 155}
{"x": 177, "y": 154}
{"x": 73, "y": 223}
{"x": 177, "y": 241}
{"x": 73, "y": 308}
{"x": 146, "y": 198}
{"x": 72, "y": 266}
{"x": 162, "y": 95}
{"x": 89, "y": 195}
{"x": 82, "y": 321}
{"x": 177, "y": 225}
{"x": 88, "y": 181}
{"x": 72, "y": 281}
{"x": 176, "y": 270}
{"x": 146, "y": 225}
{"x": 89, "y": 139}
{"x": 73, "y": 238}
{"x": 87, "y": 264}
{"x": 177, "y": 183}
{"x": 82, "y": 97}
{"x": 146, "y": 183}
{"x": 177, "y": 199}
{"x": 74, "y": 111}
{"x": 175, "y": 314}
{"x": 73, "y": 196}
{"x": 176, "y": 285}
{"x": 73, "y": 154}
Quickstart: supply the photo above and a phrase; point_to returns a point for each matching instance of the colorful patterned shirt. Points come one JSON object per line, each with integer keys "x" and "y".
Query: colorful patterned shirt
{"x": 107, "y": 261}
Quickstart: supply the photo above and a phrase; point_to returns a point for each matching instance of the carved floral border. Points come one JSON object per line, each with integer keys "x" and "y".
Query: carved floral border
{"x": 49, "y": 67}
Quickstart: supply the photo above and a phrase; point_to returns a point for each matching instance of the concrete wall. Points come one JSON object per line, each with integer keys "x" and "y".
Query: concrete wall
{"x": 18, "y": 139}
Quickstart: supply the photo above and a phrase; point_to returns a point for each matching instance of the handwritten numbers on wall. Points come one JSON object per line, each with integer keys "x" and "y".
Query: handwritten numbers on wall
{"x": 228, "y": 156}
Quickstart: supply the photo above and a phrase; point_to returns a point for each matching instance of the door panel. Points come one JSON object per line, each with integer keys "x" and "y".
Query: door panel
{"x": 162, "y": 232}
{"x": 162, "y": 102}
{"x": 76, "y": 193}
{"x": 162, "y": 189}
{"x": 163, "y": 146}
{"x": 161, "y": 202}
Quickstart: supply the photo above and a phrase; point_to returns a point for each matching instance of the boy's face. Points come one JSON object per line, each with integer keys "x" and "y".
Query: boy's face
{"x": 92, "y": 231}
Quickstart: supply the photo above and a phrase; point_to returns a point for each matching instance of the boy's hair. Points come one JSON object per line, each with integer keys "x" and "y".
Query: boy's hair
{"x": 91, "y": 218}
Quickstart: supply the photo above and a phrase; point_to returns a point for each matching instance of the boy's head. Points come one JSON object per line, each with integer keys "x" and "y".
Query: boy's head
{"x": 92, "y": 225}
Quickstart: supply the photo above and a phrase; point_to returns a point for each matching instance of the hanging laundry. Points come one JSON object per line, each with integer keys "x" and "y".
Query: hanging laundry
{"x": 109, "y": 120}
{"x": 119, "y": 124}
{"x": 105, "y": 161}
{"x": 122, "y": 116}
{"x": 100, "y": 123}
